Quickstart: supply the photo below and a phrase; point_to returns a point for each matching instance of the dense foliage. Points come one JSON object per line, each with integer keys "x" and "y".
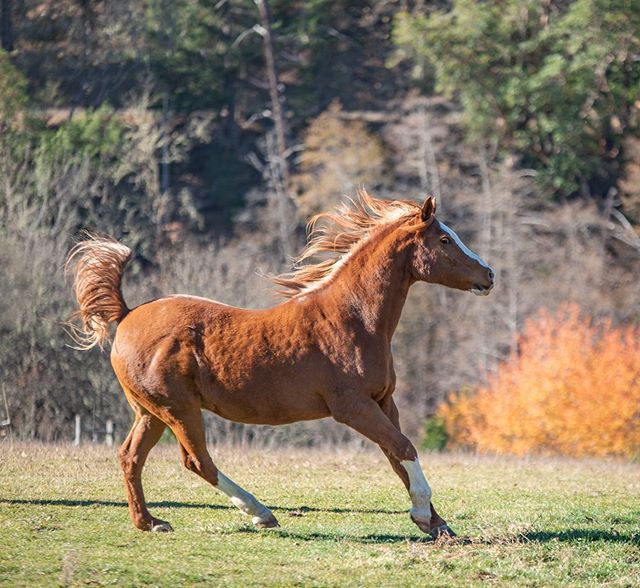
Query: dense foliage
{"x": 572, "y": 387}
{"x": 555, "y": 82}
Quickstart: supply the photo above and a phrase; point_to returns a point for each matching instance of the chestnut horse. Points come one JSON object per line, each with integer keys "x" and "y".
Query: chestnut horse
{"x": 326, "y": 351}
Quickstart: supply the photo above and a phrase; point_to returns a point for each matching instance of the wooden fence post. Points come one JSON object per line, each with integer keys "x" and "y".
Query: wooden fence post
{"x": 76, "y": 440}
{"x": 5, "y": 424}
{"x": 108, "y": 438}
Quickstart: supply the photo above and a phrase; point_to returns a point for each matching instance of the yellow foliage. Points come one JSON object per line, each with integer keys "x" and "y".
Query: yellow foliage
{"x": 338, "y": 156}
{"x": 572, "y": 388}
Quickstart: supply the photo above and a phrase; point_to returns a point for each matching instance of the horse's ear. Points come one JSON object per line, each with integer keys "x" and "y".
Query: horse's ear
{"x": 428, "y": 208}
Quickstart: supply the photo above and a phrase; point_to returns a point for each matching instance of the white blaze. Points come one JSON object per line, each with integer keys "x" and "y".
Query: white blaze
{"x": 462, "y": 246}
{"x": 419, "y": 490}
{"x": 244, "y": 500}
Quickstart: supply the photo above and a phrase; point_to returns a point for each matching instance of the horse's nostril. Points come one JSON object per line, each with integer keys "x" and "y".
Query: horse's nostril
{"x": 491, "y": 274}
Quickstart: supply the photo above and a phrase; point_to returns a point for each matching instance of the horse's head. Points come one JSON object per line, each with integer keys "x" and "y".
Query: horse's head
{"x": 440, "y": 257}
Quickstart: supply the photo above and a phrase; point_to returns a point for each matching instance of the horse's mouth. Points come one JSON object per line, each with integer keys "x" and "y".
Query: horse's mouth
{"x": 480, "y": 290}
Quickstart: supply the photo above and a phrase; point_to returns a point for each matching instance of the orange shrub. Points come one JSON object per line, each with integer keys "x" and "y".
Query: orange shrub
{"x": 572, "y": 388}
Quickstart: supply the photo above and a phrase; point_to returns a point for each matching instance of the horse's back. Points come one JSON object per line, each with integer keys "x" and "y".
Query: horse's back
{"x": 153, "y": 322}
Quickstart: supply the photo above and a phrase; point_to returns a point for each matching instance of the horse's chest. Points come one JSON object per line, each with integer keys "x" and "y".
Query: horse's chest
{"x": 371, "y": 371}
{"x": 352, "y": 352}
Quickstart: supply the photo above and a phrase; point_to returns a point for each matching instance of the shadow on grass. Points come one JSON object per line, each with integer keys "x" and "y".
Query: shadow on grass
{"x": 372, "y": 538}
{"x": 340, "y": 510}
{"x": 116, "y": 503}
{"x": 174, "y": 504}
{"x": 569, "y": 536}
{"x": 584, "y": 535}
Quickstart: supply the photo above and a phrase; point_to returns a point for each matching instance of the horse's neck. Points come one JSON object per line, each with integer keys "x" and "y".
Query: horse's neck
{"x": 372, "y": 286}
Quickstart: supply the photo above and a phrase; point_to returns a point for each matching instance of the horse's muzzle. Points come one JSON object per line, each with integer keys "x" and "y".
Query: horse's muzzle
{"x": 485, "y": 289}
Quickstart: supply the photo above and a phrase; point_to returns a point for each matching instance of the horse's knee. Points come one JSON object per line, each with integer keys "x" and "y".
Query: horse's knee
{"x": 409, "y": 451}
{"x": 403, "y": 450}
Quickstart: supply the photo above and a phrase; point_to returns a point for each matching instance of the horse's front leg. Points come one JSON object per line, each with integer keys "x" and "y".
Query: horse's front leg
{"x": 363, "y": 414}
{"x": 438, "y": 525}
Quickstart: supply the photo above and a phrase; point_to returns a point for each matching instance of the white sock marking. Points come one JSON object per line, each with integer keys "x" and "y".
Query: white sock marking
{"x": 244, "y": 500}
{"x": 419, "y": 490}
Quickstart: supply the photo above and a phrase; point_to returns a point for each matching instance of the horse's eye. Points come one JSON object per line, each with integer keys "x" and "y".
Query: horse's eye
{"x": 444, "y": 240}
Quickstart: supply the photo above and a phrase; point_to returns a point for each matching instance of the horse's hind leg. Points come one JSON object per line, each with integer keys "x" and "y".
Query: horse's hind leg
{"x": 195, "y": 457}
{"x": 144, "y": 434}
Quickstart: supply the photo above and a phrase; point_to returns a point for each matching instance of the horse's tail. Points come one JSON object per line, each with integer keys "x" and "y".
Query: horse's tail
{"x": 98, "y": 264}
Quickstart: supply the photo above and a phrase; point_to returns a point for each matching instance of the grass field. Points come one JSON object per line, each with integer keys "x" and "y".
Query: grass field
{"x": 64, "y": 521}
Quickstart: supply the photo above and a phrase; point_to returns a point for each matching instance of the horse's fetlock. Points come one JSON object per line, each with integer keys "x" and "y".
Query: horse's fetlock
{"x": 422, "y": 518}
{"x": 141, "y": 522}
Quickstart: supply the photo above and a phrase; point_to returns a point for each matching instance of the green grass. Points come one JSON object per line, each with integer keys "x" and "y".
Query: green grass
{"x": 64, "y": 521}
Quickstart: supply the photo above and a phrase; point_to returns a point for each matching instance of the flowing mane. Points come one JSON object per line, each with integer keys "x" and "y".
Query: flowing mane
{"x": 348, "y": 225}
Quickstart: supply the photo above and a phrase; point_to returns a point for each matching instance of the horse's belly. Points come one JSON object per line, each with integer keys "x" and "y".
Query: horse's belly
{"x": 265, "y": 407}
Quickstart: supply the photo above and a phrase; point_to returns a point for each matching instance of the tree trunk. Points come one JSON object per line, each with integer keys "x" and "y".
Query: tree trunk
{"x": 428, "y": 166}
{"x": 278, "y": 165}
{"x": 487, "y": 234}
{"x": 6, "y": 31}
{"x": 274, "y": 89}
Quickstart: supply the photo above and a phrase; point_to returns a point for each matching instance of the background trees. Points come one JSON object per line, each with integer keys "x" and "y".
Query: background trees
{"x": 572, "y": 388}
{"x": 554, "y": 82}
{"x": 154, "y": 122}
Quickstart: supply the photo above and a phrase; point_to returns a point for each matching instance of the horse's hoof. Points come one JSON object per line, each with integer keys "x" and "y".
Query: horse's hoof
{"x": 266, "y": 521}
{"x": 442, "y": 531}
{"x": 161, "y": 527}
